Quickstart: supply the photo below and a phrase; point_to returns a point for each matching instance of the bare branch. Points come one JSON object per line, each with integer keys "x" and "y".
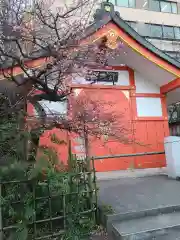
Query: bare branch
{"x": 37, "y": 32}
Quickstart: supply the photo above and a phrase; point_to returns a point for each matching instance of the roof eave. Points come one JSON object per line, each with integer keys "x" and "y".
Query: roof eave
{"x": 122, "y": 24}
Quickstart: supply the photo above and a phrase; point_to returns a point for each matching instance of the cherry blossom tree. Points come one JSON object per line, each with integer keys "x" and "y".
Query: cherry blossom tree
{"x": 40, "y": 30}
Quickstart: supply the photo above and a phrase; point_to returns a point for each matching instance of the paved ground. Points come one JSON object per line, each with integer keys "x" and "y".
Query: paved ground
{"x": 134, "y": 194}
{"x": 101, "y": 238}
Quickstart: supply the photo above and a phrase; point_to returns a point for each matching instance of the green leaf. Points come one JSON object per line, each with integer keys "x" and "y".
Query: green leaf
{"x": 21, "y": 233}
{"x": 29, "y": 212}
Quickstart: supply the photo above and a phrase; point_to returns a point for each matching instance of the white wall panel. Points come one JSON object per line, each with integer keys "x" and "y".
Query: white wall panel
{"x": 53, "y": 108}
{"x": 144, "y": 85}
{"x": 123, "y": 79}
{"x": 149, "y": 107}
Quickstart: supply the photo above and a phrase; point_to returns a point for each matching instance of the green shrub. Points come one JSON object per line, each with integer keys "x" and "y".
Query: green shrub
{"x": 41, "y": 201}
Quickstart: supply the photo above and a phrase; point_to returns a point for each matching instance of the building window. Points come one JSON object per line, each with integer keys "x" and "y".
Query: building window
{"x": 163, "y": 6}
{"x": 113, "y": 2}
{"x": 154, "y": 5}
{"x": 168, "y": 32}
{"x": 174, "y": 7}
{"x": 132, "y": 3}
{"x": 156, "y": 31}
{"x": 177, "y": 32}
{"x": 145, "y": 4}
{"x": 125, "y": 3}
{"x": 133, "y": 25}
{"x": 175, "y": 55}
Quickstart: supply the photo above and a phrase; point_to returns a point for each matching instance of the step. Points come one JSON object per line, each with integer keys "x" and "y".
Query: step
{"x": 107, "y": 219}
{"x": 160, "y": 227}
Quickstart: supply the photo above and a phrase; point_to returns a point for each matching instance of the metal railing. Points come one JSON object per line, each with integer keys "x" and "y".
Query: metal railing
{"x": 49, "y": 208}
{"x": 128, "y": 155}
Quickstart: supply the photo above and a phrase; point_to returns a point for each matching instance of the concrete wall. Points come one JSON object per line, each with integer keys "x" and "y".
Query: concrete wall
{"x": 141, "y": 15}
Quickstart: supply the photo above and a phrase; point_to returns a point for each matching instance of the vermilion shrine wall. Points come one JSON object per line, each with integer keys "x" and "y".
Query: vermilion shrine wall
{"x": 144, "y": 111}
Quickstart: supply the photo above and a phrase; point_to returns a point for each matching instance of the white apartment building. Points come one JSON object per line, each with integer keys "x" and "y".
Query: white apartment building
{"x": 156, "y": 20}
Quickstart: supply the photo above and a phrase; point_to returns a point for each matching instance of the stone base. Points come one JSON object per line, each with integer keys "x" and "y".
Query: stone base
{"x": 131, "y": 173}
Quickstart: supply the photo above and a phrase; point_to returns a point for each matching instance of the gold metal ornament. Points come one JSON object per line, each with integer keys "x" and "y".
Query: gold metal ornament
{"x": 107, "y": 8}
{"x": 112, "y": 38}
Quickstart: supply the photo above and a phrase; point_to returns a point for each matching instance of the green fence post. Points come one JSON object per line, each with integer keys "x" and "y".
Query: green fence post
{"x": 95, "y": 189}
{"x": 1, "y": 223}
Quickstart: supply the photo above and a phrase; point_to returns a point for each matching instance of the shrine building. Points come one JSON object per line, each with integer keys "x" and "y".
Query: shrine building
{"x": 145, "y": 81}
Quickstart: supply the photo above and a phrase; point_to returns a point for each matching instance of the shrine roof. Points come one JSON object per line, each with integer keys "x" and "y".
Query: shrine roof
{"x": 104, "y": 15}
{"x": 107, "y": 14}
